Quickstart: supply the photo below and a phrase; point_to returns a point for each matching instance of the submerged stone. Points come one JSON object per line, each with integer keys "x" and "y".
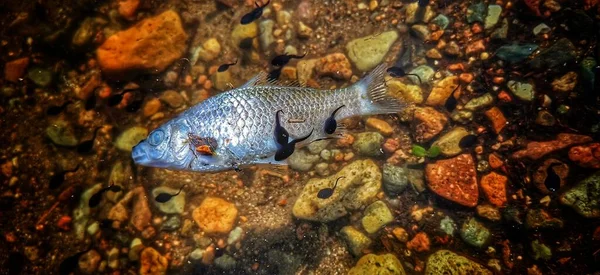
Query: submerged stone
{"x": 515, "y": 52}
{"x": 356, "y": 240}
{"x": 476, "y": 13}
{"x": 442, "y": 21}
{"x": 376, "y": 216}
{"x": 369, "y": 144}
{"x": 474, "y": 233}
{"x": 584, "y": 197}
{"x": 447, "y": 262}
{"x": 540, "y": 251}
{"x": 395, "y": 179}
{"x": 61, "y": 133}
{"x": 368, "y": 52}
{"x": 521, "y": 90}
{"x": 494, "y": 12}
{"x": 386, "y": 264}
{"x": 559, "y": 53}
{"x": 130, "y": 138}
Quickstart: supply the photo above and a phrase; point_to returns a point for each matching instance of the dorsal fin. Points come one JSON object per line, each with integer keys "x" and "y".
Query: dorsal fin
{"x": 287, "y": 83}
{"x": 262, "y": 79}
{"x": 257, "y": 80}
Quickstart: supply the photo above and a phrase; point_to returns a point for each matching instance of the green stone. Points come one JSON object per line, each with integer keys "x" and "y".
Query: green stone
{"x": 369, "y": 144}
{"x": 386, "y": 264}
{"x": 40, "y": 76}
{"x": 447, "y": 262}
{"x": 476, "y": 13}
{"x": 376, "y": 216}
{"x": 474, "y": 233}
{"x": 584, "y": 197}
{"x": 540, "y": 251}
{"x": 356, "y": 240}
{"x": 131, "y": 137}
{"x": 61, "y": 133}
{"x": 523, "y": 91}
{"x": 494, "y": 12}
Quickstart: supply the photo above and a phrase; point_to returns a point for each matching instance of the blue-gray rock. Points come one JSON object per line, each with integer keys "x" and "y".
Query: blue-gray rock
{"x": 61, "y": 133}
{"x": 515, "y": 52}
{"x": 424, "y": 72}
{"x": 225, "y": 262}
{"x": 474, "y": 233}
{"x": 561, "y": 52}
{"x": 442, "y": 21}
{"x": 40, "y": 76}
{"x": 476, "y": 13}
{"x": 494, "y": 12}
{"x": 395, "y": 178}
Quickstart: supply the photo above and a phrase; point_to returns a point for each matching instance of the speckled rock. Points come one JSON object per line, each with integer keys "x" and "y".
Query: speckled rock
{"x": 539, "y": 176}
{"x": 360, "y": 186}
{"x": 131, "y": 137}
{"x": 356, "y": 240}
{"x": 448, "y": 262}
{"x": 368, "y": 52}
{"x": 428, "y": 123}
{"x": 474, "y": 233}
{"x": 335, "y": 65}
{"x": 61, "y": 133}
{"x": 386, "y": 264}
{"x": 454, "y": 179}
{"x": 151, "y": 262}
{"x": 150, "y": 45}
{"x": 584, "y": 197}
{"x": 523, "y": 91}
{"x": 448, "y": 142}
{"x": 215, "y": 215}
{"x": 537, "y": 149}
{"x": 175, "y": 205}
{"x": 305, "y": 69}
{"x": 441, "y": 91}
{"x": 376, "y": 216}
{"x": 540, "y": 219}
{"x": 369, "y": 144}
{"x": 494, "y": 187}
{"x": 301, "y": 160}
{"x": 395, "y": 179}
{"x": 404, "y": 92}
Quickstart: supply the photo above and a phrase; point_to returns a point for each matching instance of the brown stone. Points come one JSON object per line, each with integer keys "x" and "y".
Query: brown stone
{"x": 539, "y": 176}
{"x": 442, "y": 90}
{"x": 215, "y": 215}
{"x": 127, "y": 8}
{"x": 587, "y": 156}
{"x": 494, "y": 187}
{"x": 141, "y": 215}
{"x": 495, "y": 161}
{"x": 151, "y": 107}
{"x": 454, "y": 179}
{"x": 538, "y": 149}
{"x": 335, "y": 65}
{"x": 565, "y": 83}
{"x": 89, "y": 87}
{"x": 380, "y": 125}
{"x": 15, "y": 69}
{"x": 475, "y": 47}
{"x": 150, "y": 45}
{"x": 428, "y": 123}
{"x": 496, "y": 118}
{"x": 151, "y": 262}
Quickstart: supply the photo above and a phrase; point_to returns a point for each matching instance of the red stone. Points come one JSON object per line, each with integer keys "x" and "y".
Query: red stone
{"x": 454, "y": 179}
{"x": 15, "y": 69}
{"x": 419, "y": 243}
{"x": 494, "y": 187}
{"x": 587, "y": 156}
{"x": 64, "y": 223}
{"x": 538, "y": 149}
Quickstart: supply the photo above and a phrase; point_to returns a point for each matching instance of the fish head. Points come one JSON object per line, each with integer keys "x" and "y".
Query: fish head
{"x": 165, "y": 147}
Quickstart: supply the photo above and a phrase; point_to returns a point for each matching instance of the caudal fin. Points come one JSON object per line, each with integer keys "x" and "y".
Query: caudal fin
{"x": 373, "y": 94}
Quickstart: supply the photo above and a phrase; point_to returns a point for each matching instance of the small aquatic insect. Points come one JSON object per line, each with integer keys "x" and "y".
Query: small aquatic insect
{"x": 68, "y": 265}
{"x": 86, "y": 146}
{"x": 331, "y": 123}
{"x": 57, "y": 109}
{"x": 423, "y": 3}
{"x": 467, "y": 141}
{"x": 282, "y": 60}
{"x": 226, "y": 66}
{"x": 254, "y": 14}
{"x": 327, "y": 192}
{"x": 59, "y": 177}
{"x": 281, "y": 134}
{"x": 399, "y": 72}
{"x": 288, "y": 149}
{"x": 96, "y": 198}
{"x": 552, "y": 181}
{"x": 451, "y": 102}
{"x": 165, "y": 197}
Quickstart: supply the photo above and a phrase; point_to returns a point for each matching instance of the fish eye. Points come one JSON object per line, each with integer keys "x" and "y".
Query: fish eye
{"x": 156, "y": 137}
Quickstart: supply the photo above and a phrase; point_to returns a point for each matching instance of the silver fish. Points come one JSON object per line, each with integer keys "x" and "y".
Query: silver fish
{"x": 238, "y": 125}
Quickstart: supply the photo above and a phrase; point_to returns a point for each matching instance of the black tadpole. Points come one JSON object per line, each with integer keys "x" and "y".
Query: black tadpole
{"x": 399, "y": 72}
{"x": 281, "y": 134}
{"x": 165, "y": 197}
{"x": 282, "y": 60}
{"x": 274, "y": 74}
{"x": 331, "y": 123}
{"x": 254, "y": 14}
{"x": 451, "y": 102}
{"x": 59, "y": 177}
{"x": 86, "y": 146}
{"x": 552, "y": 181}
{"x": 97, "y": 197}
{"x": 467, "y": 141}
{"x": 57, "y": 109}
{"x": 327, "y": 192}
{"x": 226, "y": 66}
{"x": 288, "y": 149}
{"x": 68, "y": 265}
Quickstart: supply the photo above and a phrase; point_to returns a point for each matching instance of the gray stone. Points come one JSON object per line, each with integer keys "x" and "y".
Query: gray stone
{"x": 424, "y": 72}
{"x": 474, "y": 233}
{"x": 515, "y": 52}
{"x": 416, "y": 178}
{"x": 395, "y": 179}
{"x": 61, "y": 133}
{"x": 494, "y": 12}
{"x": 369, "y": 144}
{"x": 301, "y": 160}
{"x": 559, "y": 53}
{"x": 173, "y": 206}
{"x": 368, "y": 52}
{"x": 476, "y": 13}
{"x": 225, "y": 262}
{"x": 171, "y": 224}
{"x": 131, "y": 137}
{"x": 523, "y": 91}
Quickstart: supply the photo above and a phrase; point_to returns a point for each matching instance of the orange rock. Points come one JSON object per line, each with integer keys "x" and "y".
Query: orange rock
{"x": 345, "y": 141}
{"x": 428, "y": 123}
{"x": 15, "y": 69}
{"x": 454, "y": 179}
{"x": 456, "y": 67}
{"x": 538, "y": 149}
{"x": 539, "y": 176}
{"x": 466, "y": 77}
{"x": 587, "y": 156}
{"x": 150, "y": 45}
{"x": 64, "y": 223}
{"x": 504, "y": 96}
{"x": 215, "y": 215}
{"x": 495, "y": 161}
{"x": 436, "y": 35}
{"x": 127, "y": 8}
{"x": 335, "y": 65}
{"x": 494, "y": 187}
{"x": 476, "y": 47}
{"x": 151, "y": 262}
{"x": 497, "y": 118}
{"x": 419, "y": 243}
{"x": 442, "y": 90}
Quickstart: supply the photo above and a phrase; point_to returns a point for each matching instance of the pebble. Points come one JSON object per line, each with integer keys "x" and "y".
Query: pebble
{"x": 356, "y": 240}
{"x": 225, "y": 262}
{"x": 538, "y": 149}
{"x": 521, "y": 90}
{"x": 131, "y": 137}
{"x": 151, "y": 107}
{"x": 541, "y": 29}
{"x": 476, "y": 13}
{"x": 587, "y": 156}
{"x": 421, "y": 31}
{"x": 424, "y": 72}
{"x": 197, "y": 254}
{"x": 175, "y": 205}
{"x": 428, "y": 123}
{"x": 335, "y": 65}
{"x": 559, "y": 53}
{"x": 88, "y": 262}
{"x": 152, "y": 262}
{"x": 368, "y": 144}
{"x": 172, "y": 98}
{"x": 302, "y": 161}
{"x": 377, "y": 264}
{"x": 489, "y": 212}
{"x": 215, "y": 215}
{"x": 514, "y": 53}
{"x": 480, "y": 102}
{"x": 61, "y": 133}
{"x": 171, "y": 224}
{"x": 545, "y": 118}
{"x": 242, "y": 32}
{"x": 497, "y": 119}
{"x": 579, "y": 197}
{"x": 404, "y": 92}
{"x": 447, "y": 262}
{"x": 433, "y": 53}
{"x": 317, "y": 146}
{"x": 452, "y": 49}
{"x": 40, "y": 76}
{"x": 442, "y": 21}
{"x": 368, "y": 52}
{"x": 220, "y": 80}
{"x": 540, "y": 219}
{"x": 454, "y": 179}
{"x": 266, "y": 34}
{"x": 210, "y": 50}
{"x": 400, "y": 234}
{"x": 283, "y": 17}
{"x": 447, "y": 225}
{"x": 303, "y": 30}
{"x": 565, "y": 83}
{"x": 415, "y": 14}
{"x": 322, "y": 169}
{"x": 419, "y": 243}
{"x": 449, "y": 142}
{"x": 442, "y": 91}
{"x": 127, "y": 8}
{"x": 376, "y": 216}
{"x": 380, "y": 126}
{"x": 540, "y": 251}
{"x": 15, "y": 69}
{"x": 395, "y": 179}
{"x": 235, "y": 235}
{"x": 135, "y": 248}
{"x": 113, "y": 258}
{"x": 493, "y": 15}
{"x": 474, "y": 233}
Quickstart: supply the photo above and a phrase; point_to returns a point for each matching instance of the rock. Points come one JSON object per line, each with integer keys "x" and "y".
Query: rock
{"x": 172, "y": 98}
{"x": 540, "y": 219}
{"x": 540, "y": 251}
{"x": 150, "y": 45}
{"x": 523, "y": 91}
{"x": 151, "y": 262}
{"x": 380, "y": 125}
{"x": 266, "y": 34}
{"x": 225, "y": 262}
{"x": 474, "y": 233}
{"x": 493, "y": 15}
{"x": 175, "y": 205}
{"x": 131, "y": 137}
{"x": 82, "y": 211}
{"x": 452, "y": 49}
{"x": 221, "y": 80}
{"x": 404, "y": 92}
{"x": 317, "y": 146}
{"x": 356, "y": 240}
{"x": 475, "y": 47}
{"x": 489, "y": 212}
{"x": 476, "y": 13}
{"x": 88, "y": 262}
{"x": 424, "y": 72}
{"x": 141, "y": 214}
{"x": 539, "y": 176}
{"x": 545, "y": 118}
{"x": 376, "y": 216}
{"x": 538, "y": 149}
{"x": 215, "y": 215}
{"x": 428, "y": 124}
{"x": 421, "y": 31}
{"x": 360, "y": 186}
{"x": 127, "y": 8}
{"x": 514, "y": 53}
{"x": 416, "y": 179}
{"x": 494, "y": 187}
{"x": 565, "y": 83}
{"x": 14, "y": 70}
{"x": 305, "y": 69}
{"x": 335, "y": 65}
{"x": 302, "y": 161}
{"x": 171, "y": 224}
{"x": 541, "y": 28}
{"x": 415, "y": 14}
{"x": 61, "y": 133}
{"x": 442, "y": 21}
{"x": 561, "y": 52}
{"x": 303, "y": 30}
{"x": 242, "y": 33}
{"x": 40, "y": 76}
{"x": 286, "y": 263}
{"x": 210, "y": 50}
{"x": 369, "y": 144}
{"x": 113, "y": 258}
{"x": 462, "y": 116}
{"x": 419, "y": 243}
{"x": 441, "y": 91}
{"x": 447, "y": 262}
{"x": 84, "y": 33}
{"x": 377, "y": 264}
{"x": 587, "y": 156}
{"x": 235, "y": 235}
{"x": 584, "y": 197}
{"x": 135, "y": 248}
{"x": 454, "y": 179}
{"x": 197, "y": 254}
{"x": 448, "y": 143}
{"x": 151, "y": 107}
{"x": 502, "y": 31}
{"x": 322, "y": 169}
{"x": 433, "y": 53}
{"x": 394, "y": 178}
{"x": 447, "y": 225}
{"x": 400, "y": 234}
{"x": 479, "y": 102}
{"x": 368, "y": 52}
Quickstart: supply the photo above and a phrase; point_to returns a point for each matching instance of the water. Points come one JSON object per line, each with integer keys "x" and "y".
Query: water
{"x": 76, "y": 71}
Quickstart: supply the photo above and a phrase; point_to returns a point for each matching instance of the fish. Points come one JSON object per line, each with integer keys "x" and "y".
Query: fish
{"x": 325, "y": 193}
{"x": 57, "y": 109}
{"x": 96, "y": 198}
{"x": 254, "y": 14}
{"x": 282, "y": 60}
{"x": 165, "y": 197}
{"x": 224, "y": 67}
{"x": 68, "y": 265}
{"x": 238, "y": 121}
{"x": 423, "y": 3}
{"x": 451, "y": 102}
{"x": 467, "y": 141}
{"x": 59, "y": 177}
{"x": 399, "y": 72}
{"x": 552, "y": 181}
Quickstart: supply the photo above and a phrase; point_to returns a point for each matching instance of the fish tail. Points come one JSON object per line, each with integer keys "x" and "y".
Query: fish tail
{"x": 373, "y": 94}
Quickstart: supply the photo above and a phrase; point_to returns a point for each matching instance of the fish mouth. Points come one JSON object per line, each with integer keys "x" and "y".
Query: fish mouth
{"x": 139, "y": 155}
